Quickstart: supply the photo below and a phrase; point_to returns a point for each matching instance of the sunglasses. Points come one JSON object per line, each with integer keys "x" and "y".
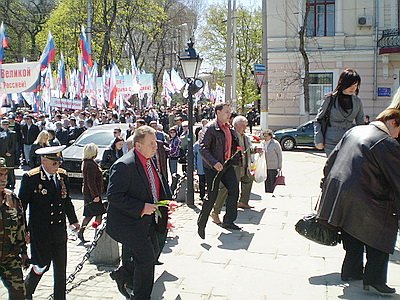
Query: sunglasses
{"x": 56, "y": 163}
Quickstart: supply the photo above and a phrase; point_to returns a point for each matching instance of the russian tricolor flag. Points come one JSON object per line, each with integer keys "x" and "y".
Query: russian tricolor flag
{"x": 85, "y": 49}
{"x": 3, "y": 42}
{"x": 49, "y": 52}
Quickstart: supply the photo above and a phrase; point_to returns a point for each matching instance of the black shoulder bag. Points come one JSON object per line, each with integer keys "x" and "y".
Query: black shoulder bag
{"x": 318, "y": 231}
{"x": 325, "y": 119}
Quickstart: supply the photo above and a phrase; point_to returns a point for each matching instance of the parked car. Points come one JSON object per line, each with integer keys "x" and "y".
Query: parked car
{"x": 101, "y": 135}
{"x": 291, "y": 138}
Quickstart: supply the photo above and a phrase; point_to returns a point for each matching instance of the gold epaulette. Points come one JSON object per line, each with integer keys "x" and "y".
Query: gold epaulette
{"x": 62, "y": 171}
{"x": 34, "y": 171}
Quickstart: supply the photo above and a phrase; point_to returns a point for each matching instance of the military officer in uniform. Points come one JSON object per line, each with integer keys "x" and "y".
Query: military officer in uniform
{"x": 45, "y": 190}
{"x": 12, "y": 238}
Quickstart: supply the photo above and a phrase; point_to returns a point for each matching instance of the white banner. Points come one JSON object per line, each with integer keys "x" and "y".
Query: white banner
{"x": 63, "y": 103}
{"x": 146, "y": 83}
{"x": 125, "y": 85}
{"x": 19, "y": 77}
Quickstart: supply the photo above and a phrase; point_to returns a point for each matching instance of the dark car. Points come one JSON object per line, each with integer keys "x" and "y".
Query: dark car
{"x": 101, "y": 135}
{"x": 291, "y": 138}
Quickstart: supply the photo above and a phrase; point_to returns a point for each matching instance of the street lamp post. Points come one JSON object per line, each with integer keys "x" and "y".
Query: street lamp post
{"x": 190, "y": 63}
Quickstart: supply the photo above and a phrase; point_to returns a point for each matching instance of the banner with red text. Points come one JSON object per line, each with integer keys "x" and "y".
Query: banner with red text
{"x": 19, "y": 77}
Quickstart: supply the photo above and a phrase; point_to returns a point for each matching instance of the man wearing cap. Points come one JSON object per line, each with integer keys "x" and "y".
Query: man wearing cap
{"x": 12, "y": 238}
{"x": 45, "y": 190}
{"x": 30, "y": 132}
{"x": 8, "y": 147}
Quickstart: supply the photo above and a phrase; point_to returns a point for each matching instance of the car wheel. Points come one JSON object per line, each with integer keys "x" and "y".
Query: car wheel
{"x": 288, "y": 143}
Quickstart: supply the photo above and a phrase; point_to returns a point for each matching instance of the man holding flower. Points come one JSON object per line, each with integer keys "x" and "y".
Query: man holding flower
{"x": 219, "y": 151}
{"x": 134, "y": 193}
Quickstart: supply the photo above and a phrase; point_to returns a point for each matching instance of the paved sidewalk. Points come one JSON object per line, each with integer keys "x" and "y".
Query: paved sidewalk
{"x": 267, "y": 260}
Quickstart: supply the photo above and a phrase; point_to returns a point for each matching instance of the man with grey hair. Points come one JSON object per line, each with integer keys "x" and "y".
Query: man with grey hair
{"x": 242, "y": 171}
{"x": 135, "y": 187}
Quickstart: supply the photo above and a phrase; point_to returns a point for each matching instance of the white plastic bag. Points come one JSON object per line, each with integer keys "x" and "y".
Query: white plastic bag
{"x": 260, "y": 174}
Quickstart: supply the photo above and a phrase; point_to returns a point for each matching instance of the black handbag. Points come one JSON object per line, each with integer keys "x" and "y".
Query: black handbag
{"x": 318, "y": 231}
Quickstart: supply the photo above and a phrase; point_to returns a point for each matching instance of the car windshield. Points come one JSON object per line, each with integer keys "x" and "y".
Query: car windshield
{"x": 100, "y": 138}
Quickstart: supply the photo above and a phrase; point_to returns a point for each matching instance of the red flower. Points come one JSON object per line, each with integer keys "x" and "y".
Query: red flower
{"x": 95, "y": 224}
{"x": 256, "y": 138}
{"x": 238, "y": 148}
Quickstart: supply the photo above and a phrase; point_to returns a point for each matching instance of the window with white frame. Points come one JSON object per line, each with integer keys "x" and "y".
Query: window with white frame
{"x": 320, "y": 84}
{"x": 321, "y": 17}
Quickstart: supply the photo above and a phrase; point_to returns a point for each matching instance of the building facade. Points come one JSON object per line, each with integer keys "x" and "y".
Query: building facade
{"x": 360, "y": 34}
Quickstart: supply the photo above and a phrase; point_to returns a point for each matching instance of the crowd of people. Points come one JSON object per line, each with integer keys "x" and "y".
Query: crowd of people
{"x": 359, "y": 187}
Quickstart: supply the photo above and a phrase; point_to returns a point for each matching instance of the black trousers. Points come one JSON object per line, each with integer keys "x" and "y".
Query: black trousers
{"x": 375, "y": 271}
{"x": 271, "y": 179}
{"x": 144, "y": 256}
{"x": 202, "y": 185}
{"x": 58, "y": 256}
{"x": 229, "y": 180}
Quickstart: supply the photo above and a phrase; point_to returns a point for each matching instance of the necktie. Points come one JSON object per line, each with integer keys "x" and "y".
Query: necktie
{"x": 54, "y": 180}
{"x": 152, "y": 180}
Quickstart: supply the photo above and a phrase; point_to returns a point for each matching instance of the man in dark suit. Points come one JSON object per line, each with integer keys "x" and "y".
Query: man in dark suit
{"x": 30, "y": 132}
{"x": 218, "y": 150}
{"x": 61, "y": 133}
{"x": 16, "y": 127}
{"x": 8, "y": 140}
{"x": 134, "y": 188}
{"x": 45, "y": 189}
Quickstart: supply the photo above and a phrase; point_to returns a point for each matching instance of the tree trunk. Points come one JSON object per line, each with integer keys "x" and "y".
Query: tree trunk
{"x": 306, "y": 61}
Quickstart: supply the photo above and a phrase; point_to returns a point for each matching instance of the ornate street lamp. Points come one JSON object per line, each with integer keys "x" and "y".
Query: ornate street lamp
{"x": 190, "y": 63}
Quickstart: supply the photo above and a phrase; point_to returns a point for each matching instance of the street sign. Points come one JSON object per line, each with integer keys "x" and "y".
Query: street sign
{"x": 259, "y": 73}
{"x": 384, "y": 92}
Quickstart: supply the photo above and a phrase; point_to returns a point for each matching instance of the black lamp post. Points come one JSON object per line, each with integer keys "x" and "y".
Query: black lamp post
{"x": 190, "y": 63}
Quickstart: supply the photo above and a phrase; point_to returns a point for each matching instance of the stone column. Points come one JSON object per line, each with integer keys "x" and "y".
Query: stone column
{"x": 339, "y": 17}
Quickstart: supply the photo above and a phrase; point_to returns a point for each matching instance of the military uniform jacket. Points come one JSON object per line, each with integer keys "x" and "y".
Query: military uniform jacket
{"x": 48, "y": 208}
{"x": 12, "y": 227}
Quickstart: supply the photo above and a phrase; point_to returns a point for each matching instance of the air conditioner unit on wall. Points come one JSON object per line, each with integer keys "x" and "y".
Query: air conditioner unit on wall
{"x": 365, "y": 21}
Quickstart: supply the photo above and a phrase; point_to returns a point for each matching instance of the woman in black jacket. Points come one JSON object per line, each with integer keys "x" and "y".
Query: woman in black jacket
{"x": 41, "y": 141}
{"x": 111, "y": 155}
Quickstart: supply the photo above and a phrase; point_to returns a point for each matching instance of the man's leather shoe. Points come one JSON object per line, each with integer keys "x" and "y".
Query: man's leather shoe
{"x": 244, "y": 205}
{"x": 201, "y": 231}
{"x": 119, "y": 278}
{"x": 215, "y": 218}
{"x": 231, "y": 226}
{"x": 381, "y": 288}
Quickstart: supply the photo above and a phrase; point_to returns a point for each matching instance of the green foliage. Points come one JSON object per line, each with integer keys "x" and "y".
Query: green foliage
{"x": 249, "y": 46}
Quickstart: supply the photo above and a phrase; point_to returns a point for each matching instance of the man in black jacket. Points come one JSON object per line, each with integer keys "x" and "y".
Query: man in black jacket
{"x": 45, "y": 190}
{"x": 218, "y": 149}
{"x": 135, "y": 187}
{"x": 30, "y": 132}
{"x": 8, "y": 140}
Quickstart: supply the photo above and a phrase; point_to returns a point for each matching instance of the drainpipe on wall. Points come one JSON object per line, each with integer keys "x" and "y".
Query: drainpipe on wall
{"x": 374, "y": 96}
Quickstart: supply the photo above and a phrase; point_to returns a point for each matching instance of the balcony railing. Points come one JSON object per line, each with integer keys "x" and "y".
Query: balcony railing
{"x": 390, "y": 41}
